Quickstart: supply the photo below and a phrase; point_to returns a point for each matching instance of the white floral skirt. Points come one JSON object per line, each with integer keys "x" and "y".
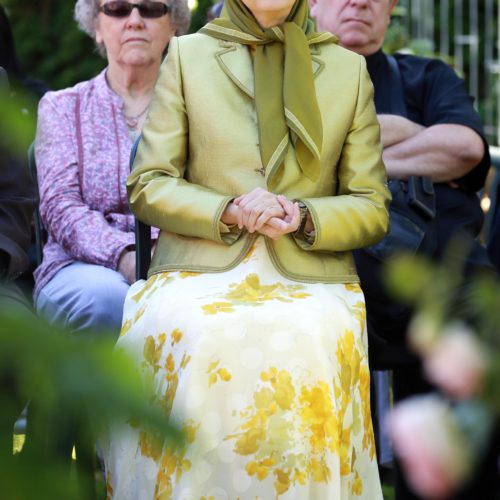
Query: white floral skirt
{"x": 269, "y": 379}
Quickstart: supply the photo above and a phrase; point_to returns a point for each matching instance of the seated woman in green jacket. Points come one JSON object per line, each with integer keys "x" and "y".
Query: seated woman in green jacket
{"x": 260, "y": 162}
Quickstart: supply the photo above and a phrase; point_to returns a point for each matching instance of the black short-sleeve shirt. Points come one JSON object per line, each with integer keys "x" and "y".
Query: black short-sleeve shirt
{"x": 433, "y": 94}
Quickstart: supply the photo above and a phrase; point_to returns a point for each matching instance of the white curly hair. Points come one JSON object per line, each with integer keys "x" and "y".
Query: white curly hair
{"x": 86, "y": 12}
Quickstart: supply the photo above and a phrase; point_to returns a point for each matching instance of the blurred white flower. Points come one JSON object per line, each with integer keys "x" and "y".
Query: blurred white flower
{"x": 456, "y": 362}
{"x": 433, "y": 452}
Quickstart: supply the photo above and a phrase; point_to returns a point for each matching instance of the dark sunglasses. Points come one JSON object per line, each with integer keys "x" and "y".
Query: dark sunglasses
{"x": 147, "y": 10}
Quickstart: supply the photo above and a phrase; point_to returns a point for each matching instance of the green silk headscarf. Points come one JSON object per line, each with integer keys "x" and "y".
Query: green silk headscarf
{"x": 285, "y": 95}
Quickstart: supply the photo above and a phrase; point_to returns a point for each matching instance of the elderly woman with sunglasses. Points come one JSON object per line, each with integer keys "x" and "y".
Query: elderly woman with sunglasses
{"x": 260, "y": 162}
{"x": 84, "y": 137}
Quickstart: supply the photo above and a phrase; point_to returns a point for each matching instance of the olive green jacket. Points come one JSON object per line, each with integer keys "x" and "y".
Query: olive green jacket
{"x": 200, "y": 149}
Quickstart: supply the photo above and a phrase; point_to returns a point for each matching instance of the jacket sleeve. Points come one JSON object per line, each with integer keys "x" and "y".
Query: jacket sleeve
{"x": 358, "y": 215}
{"x": 83, "y": 232}
{"x": 159, "y": 193}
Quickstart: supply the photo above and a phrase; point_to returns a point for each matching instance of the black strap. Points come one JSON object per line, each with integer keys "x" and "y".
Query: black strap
{"x": 79, "y": 142}
{"x": 142, "y": 234}
{"x": 419, "y": 189}
{"x": 397, "y": 101}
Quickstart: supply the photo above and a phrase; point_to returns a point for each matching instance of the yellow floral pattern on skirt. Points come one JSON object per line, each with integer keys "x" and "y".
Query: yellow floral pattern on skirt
{"x": 267, "y": 377}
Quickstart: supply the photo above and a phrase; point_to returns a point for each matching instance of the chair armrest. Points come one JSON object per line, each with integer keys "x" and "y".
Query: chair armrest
{"x": 40, "y": 233}
{"x": 142, "y": 249}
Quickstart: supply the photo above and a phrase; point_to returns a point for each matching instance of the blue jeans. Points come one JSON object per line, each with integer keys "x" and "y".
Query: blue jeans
{"x": 83, "y": 297}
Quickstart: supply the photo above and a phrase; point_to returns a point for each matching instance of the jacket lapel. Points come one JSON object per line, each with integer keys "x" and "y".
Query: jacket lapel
{"x": 317, "y": 63}
{"x": 235, "y": 60}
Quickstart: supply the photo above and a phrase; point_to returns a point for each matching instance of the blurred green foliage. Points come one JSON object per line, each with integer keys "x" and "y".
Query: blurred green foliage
{"x": 397, "y": 35}
{"x": 51, "y": 47}
{"x": 199, "y": 16}
{"x": 18, "y": 122}
{"x": 81, "y": 379}
{"x": 49, "y": 44}
{"x": 398, "y": 38}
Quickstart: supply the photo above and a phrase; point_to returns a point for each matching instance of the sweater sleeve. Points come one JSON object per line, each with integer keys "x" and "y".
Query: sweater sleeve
{"x": 83, "y": 232}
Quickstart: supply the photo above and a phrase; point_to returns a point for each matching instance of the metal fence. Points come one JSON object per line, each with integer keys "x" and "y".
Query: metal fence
{"x": 465, "y": 33}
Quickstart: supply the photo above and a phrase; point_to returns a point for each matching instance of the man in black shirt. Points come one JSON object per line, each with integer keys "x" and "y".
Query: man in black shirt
{"x": 439, "y": 135}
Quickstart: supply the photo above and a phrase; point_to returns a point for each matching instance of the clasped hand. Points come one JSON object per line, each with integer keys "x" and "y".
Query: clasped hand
{"x": 263, "y": 212}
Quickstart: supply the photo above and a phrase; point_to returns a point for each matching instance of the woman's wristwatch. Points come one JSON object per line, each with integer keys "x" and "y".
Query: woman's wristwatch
{"x": 304, "y": 212}
{"x": 301, "y": 232}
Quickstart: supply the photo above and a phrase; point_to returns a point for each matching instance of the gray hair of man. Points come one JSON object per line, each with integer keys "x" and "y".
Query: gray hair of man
{"x": 86, "y": 12}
